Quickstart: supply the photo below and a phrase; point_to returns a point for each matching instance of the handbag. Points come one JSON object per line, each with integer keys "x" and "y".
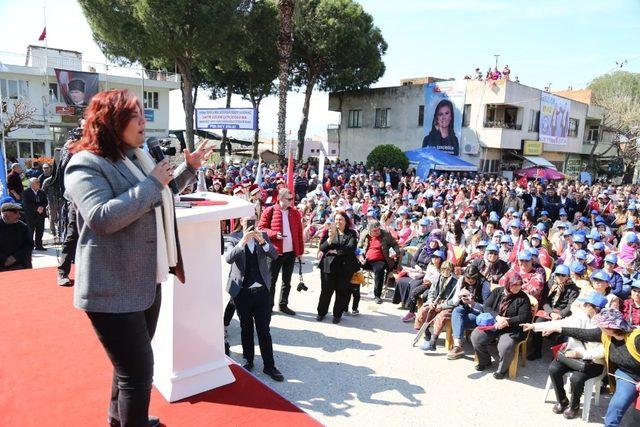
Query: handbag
{"x": 579, "y": 365}
{"x": 357, "y": 278}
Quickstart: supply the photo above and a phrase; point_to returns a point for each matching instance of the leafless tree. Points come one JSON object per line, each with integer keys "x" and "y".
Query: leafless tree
{"x": 16, "y": 113}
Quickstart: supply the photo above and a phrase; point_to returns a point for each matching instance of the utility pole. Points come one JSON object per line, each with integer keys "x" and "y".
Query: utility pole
{"x": 497, "y": 56}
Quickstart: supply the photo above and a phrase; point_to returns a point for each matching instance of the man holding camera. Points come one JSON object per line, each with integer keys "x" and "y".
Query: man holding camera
{"x": 248, "y": 285}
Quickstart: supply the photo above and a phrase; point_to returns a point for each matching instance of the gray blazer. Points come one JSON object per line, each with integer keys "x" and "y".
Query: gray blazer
{"x": 116, "y": 252}
{"x": 236, "y": 257}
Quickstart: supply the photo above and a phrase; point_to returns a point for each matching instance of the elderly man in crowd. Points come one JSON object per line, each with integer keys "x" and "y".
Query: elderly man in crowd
{"x": 283, "y": 224}
{"x": 34, "y": 201}
{"x": 16, "y": 243}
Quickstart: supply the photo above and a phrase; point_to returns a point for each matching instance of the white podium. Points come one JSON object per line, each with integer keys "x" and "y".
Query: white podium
{"x": 188, "y": 345}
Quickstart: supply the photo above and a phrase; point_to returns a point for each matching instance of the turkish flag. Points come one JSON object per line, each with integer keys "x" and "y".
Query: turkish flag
{"x": 43, "y": 35}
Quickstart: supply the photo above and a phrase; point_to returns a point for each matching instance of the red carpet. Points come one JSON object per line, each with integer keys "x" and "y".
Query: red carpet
{"x": 54, "y": 372}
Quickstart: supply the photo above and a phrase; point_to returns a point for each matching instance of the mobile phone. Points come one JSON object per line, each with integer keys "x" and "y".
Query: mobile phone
{"x": 251, "y": 223}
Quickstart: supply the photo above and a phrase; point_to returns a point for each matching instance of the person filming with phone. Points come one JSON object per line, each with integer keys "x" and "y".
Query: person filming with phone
{"x": 248, "y": 285}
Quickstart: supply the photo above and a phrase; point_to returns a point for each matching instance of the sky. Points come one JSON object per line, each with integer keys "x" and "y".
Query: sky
{"x": 562, "y": 43}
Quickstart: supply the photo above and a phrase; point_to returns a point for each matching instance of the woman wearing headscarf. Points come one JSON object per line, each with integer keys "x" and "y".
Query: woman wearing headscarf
{"x": 410, "y": 292}
{"x": 510, "y": 307}
{"x": 622, "y": 350}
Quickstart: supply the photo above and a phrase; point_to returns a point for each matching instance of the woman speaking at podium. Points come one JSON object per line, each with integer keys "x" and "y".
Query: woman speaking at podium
{"x": 127, "y": 243}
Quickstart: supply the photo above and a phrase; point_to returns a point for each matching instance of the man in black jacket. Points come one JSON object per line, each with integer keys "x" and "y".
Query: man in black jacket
{"x": 34, "y": 201}
{"x": 15, "y": 240}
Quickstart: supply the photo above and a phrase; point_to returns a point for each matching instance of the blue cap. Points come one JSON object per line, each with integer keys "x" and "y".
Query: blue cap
{"x": 562, "y": 212}
{"x": 524, "y": 256}
{"x": 630, "y": 224}
{"x": 511, "y": 210}
{"x": 632, "y": 238}
{"x": 578, "y": 238}
{"x": 492, "y": 247}
{"x": 544, "y": 213}
{"x": 437, "y": 205}
{"x": 535, "y": 236}
{"x": 506, "y": 239}
{"x": 612, "y": 258}
{"x": 594, "y": 212}
{"x": 494, "y": 217}
{"x": 541, "y": 227}
{"x": 599, "y": 246}
{"x": 402, "y": 211}
{"x": 632, "y": 207}
{"x": 595, "y": 298}
{"x": 533, "y": 251}
{"x": 580, "y": 254}
{"x": 594, "y": 235}
{"x": 578, "y": 267}
{"x": 600, "y": 220}
{"x": 601, "y": 275}
{"x": 482, "y": 244}
{"x": 515, "y": 223}
{"x": 562, "y": 269}
{"x": 439, "y": 254}
{"x": 424, "y": 222}
{"x": 485, "y": 319}
{"x": 584, "y": 219}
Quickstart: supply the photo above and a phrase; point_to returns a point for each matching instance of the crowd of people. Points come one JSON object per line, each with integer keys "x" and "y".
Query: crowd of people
{"x": 487, "y": 259}
{"x": 493, "y": 260}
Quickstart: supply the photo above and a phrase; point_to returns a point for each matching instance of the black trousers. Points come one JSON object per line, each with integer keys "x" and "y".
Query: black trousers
{"x": 68, "y": 251}
{"x": 36, "y": 228}
{"x": 286, "y": 262}
{"x": 126, "y": 337}
{"x": 354, "y": 292}
{"x": 229, "y": 311}
{"x": 330, "y": 283}
{"x": 558, "y": 369}
{"x": 379, "y": 269}
{"x": 255, "y": 306}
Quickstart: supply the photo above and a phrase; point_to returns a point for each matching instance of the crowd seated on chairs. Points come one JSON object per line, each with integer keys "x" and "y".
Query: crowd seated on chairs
{"x": 522, "y": 265}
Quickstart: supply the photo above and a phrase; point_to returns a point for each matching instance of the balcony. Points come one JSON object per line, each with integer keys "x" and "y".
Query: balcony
{"x": 502, "y": 125}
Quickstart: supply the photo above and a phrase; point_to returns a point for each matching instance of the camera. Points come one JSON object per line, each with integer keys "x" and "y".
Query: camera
{"x": 164, "y": 144}
{"x": 75, "y": 134}
{"x": 302, "y": 287}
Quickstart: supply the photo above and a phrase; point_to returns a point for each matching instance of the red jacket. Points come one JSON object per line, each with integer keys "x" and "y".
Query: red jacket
{"x": 271, "y": 223}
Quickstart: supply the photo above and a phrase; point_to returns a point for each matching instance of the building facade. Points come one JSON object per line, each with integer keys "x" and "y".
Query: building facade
{"x": 32, "y": 81}
{"x": 499, "y": 126}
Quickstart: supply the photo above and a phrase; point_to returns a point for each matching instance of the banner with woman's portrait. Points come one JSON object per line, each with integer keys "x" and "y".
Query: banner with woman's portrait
{"x": 77, "y": 87}
{"x": 443, "y": 107}
{"x": 554, "y": 119}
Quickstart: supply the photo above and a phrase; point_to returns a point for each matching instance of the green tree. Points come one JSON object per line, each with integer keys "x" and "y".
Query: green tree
{"x": 387, "y": 156}
{"x": 619, "y": 96}
{"x": 336, "y": 47}
{"x": 161, "y": 33}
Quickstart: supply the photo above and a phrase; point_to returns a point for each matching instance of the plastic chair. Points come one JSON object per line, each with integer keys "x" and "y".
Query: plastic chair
{"x": 589, "y": 386}
{"x": 521, "y": 347}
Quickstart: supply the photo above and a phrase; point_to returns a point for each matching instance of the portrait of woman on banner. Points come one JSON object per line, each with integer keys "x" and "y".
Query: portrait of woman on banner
{"x": 442, "y": 135}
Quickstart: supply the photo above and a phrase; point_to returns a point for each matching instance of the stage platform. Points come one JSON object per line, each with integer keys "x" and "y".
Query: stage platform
{"x": 54, "y": 372}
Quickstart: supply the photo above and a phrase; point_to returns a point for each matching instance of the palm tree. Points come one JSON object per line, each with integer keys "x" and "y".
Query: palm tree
{"x": 285, "y": 43}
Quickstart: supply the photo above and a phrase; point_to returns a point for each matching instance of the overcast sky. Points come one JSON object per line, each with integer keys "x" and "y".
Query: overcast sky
{"x": 565, "y": 43}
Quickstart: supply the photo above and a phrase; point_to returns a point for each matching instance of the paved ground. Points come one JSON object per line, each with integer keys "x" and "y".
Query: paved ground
{"x": 365, "y": 371}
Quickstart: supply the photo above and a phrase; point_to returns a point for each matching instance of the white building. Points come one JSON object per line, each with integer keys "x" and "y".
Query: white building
{"x": 498, "y": 118}
{"x": 32, "y": 78}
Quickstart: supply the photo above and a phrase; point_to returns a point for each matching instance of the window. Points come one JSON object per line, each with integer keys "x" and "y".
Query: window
{"x": 466, "y": 115}
{"x": 354, "y": 119}
{"x": 333, "y": 151}
{"x": 489, "y": 166}
{"x": 510, "y": 116}
{"x": 38, "y": 149}
{"x": 491, "y": 113}
{"x": 13, "y": 89}
{"x": 54, "y": 95}
{"x": 573, "y": 127}
{"x": 534, "y": 121}
{"x": 382, "y": 117}
{"x": 151, "y": 100}
{"x": 593, "y": 134}
{"x": 421, "y": 115}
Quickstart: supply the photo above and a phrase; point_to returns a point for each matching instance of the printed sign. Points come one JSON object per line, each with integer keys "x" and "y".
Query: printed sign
{"x": 554, "y": 119}
{"x": 65, "y": 110}
{"x": 77, "y": 87}
{"x": 532, "y": 148}
{"x": 226, "y": 118}
{"x": 443, "y": 106}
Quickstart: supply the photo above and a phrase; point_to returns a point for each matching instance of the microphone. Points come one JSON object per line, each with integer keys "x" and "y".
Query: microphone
{"x": 156, "y": 152}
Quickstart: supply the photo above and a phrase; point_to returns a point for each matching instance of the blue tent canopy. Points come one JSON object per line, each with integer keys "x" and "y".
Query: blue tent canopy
{"x": 428, "y": 159}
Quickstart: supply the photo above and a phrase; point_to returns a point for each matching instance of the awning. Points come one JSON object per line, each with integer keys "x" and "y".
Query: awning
{"x": 428, "y": 159}
{"x": 539, "y": 161}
